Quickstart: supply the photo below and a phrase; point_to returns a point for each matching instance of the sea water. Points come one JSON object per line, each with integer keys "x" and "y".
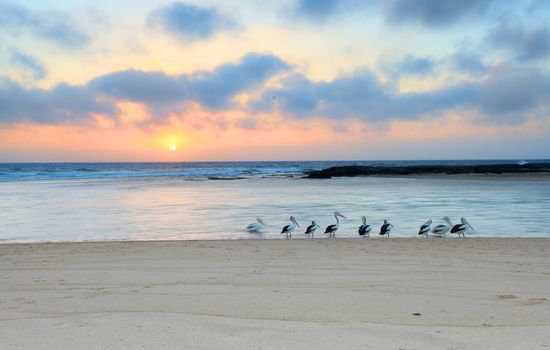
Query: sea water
{"x": 172, "y": 201}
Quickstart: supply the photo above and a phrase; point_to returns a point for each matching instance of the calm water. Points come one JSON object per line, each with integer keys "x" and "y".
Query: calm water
{"x": 143, "y": 201}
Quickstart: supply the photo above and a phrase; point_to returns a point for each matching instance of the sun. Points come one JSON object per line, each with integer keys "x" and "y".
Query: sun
{"x": 172, "y": 148}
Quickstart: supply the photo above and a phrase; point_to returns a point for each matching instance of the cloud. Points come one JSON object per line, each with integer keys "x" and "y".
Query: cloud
{"x": 53, "y": 26}
{"x": 138, "y": 86}
{"x": 63, "y": 103}
{"x": 526, "y": 44}
{"x": 513, "y": 91}
{"x": 506, "y": 95}
{"x": 416, "y": 65}
{"x": 409, "y": 65}
{"x": 468, "y": 63}
{"x": 215, "y": 89}
{"x": 160, "y": 92}
{"x": 321, "y": 10}
{"x": 360, "y": 96}
{"x": 429, "y": 13}
{"x": 29, "y": 63}
{"x": 435, "y": 13}
{"x": 191, "y": 22}
{"x": 212, "y": 89}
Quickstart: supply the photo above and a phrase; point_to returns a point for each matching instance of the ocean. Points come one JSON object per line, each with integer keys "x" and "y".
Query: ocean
{"x": 52, "y": 202}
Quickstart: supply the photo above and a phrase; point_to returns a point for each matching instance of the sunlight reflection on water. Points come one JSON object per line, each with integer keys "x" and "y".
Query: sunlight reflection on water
{"x": 173, "y": 208}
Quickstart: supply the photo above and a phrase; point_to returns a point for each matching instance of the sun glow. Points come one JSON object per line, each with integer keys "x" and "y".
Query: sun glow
{"x": 172, "y": 148}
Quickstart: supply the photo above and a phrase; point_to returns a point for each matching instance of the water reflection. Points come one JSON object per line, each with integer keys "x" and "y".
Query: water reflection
{"x": 171, "y": 208}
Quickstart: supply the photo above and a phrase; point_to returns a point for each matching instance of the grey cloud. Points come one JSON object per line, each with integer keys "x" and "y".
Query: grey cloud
{"x": 435, "y": 13}
{"x": 160, "y": 92}
{"x": 213, "y": 89}
{"x": 62, "y": 104}
{"x": 525, "y": 44}
{"x": 429, "y": 13}
{"x": 191, "y": 22}
{"x": 54, "y": 26}
{"x": 468, "y": 63}
{"x": 513, "y": 90}
{"x": 505, "y": 95}
{"x": 321, "y": 10}
{"x": 409, "y": 65}
{"x": 29, "y": 63}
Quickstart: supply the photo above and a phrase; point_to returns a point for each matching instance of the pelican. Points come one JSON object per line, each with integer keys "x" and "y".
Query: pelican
{"x": 364, "y": 229}
{"x": 425, "y": 229}
{"x": 386, "y": 229}
{"x": 459, "y": 229}
{"x": 311, "y": 229}
{"x": 287, "y": 229}
{"x": 256, "y": 226}
{"x": 331, "y": 229}
{"x": 441, "y": 229}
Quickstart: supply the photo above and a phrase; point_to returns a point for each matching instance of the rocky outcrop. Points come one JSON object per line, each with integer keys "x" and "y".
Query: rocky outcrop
{"x": 341, "y": 171}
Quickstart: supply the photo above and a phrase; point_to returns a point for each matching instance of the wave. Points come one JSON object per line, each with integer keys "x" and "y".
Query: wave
{"x": 141, "y": 170}
{"x": 204, "y": 170}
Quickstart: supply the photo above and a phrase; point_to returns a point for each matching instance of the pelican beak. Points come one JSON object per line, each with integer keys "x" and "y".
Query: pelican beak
{"x": 340, "y": 215}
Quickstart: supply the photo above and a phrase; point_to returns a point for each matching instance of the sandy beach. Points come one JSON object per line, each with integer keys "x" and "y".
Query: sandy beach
{"x": 475, "y": 293}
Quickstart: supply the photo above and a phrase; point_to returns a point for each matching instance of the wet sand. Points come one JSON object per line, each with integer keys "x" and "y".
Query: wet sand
{"x": 398, "y": 293}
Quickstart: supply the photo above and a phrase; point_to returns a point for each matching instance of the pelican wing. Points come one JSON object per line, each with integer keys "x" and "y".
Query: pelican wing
{"x": 385, "y": 229}
{"x": 440, "y": 229}
{"x": 459, "y": 228}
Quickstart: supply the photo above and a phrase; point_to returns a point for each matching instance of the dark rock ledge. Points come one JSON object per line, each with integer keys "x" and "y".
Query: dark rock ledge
{"x": 354, "y": 170}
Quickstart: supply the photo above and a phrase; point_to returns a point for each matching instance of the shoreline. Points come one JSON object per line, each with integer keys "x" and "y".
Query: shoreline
{"x": 272, "y": 239}
{"x": 490, "y": 293}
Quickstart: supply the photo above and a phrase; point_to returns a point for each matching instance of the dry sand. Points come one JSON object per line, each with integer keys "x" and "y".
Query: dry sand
{"x": 277, "y": 294}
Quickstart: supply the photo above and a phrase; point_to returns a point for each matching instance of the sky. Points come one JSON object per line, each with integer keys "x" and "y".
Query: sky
{"x": 281, "y": 80}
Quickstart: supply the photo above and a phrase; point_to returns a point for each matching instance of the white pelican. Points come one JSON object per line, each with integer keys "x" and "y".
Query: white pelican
{"x": 364, "y": 229}
{"x": 441, "y": 229}
{"x": 425, "y": 229}
{"x": 311, "y": 229}
{"x": 331, "y": 229}
{"x": 256, "y": 226}
{"x": 287, "y": 229}
{"x": 386, "y": 229}
{"x": 459, "y": 229}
